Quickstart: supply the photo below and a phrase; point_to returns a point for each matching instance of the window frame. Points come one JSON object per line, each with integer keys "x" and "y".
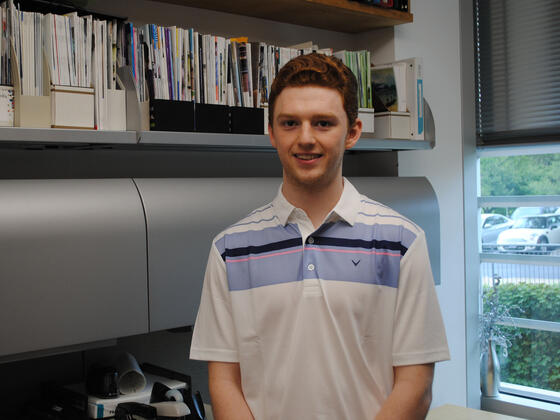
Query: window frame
{"x": 514, "y": 399}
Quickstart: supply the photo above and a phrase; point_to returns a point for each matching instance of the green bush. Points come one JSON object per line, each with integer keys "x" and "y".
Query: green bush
{"x": 534, "y": 356}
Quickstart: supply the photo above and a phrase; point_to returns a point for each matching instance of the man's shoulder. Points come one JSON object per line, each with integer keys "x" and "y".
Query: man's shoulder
{"x": 260, "y": 218}
{"x": 373, "y": 212}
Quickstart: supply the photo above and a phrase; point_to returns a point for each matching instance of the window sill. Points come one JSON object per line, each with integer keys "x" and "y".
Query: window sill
{"x": 513, "y": 405}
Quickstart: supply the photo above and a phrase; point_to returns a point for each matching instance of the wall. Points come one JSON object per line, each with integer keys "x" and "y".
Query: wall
{"x": 435, "y": 36}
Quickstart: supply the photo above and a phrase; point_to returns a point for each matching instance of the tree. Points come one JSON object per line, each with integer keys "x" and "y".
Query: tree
{"x": 520, "y": 175}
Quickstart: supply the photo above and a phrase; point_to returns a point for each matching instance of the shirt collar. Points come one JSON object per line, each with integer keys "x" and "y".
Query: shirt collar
{"x": 345, "y": 209}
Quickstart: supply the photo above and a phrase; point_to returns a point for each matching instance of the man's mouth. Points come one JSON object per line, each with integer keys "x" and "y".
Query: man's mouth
{"x": 307, "y": 156}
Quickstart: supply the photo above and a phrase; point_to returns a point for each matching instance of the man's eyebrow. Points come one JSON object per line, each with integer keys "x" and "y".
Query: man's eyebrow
{"x": 314, "y": 116}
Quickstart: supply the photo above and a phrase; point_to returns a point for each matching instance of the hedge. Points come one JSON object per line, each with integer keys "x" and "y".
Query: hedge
{"x": 534, "y": 356}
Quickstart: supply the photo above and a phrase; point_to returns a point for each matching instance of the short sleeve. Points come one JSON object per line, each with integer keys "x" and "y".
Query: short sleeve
{"x": 214, "y": 334}
{"x": 419, "y": 332}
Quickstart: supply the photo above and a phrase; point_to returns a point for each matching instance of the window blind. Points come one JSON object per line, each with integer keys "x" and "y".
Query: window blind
{"x": 517, "y": 46}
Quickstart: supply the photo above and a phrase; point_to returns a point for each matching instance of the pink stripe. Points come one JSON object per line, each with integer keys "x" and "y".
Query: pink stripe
{"x": 350, "y": 251}
{"x": 263, "y": 256}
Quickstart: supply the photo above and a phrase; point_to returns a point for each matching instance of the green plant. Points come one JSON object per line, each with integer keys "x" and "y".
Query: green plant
{"x": 534, "y": 356}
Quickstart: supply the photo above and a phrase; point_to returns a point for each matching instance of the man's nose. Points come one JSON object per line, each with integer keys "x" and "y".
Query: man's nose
{"x": 306, "y": 134}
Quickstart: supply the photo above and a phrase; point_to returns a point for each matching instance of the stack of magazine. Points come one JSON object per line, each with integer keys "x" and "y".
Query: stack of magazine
{"x": 184, "y": 65}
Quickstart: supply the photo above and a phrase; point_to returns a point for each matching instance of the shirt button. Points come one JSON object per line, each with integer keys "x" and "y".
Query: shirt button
{"x": 310, "y": 240}
{"x": 311, "y": 267}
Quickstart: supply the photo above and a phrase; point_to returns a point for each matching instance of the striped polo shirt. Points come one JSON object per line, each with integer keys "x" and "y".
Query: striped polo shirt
{"x": 317, "y": 318}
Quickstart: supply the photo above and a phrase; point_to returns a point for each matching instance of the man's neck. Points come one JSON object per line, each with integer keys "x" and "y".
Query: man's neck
{"x": 316, "y": 201}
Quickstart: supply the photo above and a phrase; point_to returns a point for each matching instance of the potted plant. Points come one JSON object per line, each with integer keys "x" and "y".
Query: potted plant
{"x": 493, "y": 320}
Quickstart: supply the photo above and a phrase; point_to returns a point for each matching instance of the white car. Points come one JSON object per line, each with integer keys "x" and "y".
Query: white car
{"x": 531, "y": 234}
{"x": 492, "y": 226}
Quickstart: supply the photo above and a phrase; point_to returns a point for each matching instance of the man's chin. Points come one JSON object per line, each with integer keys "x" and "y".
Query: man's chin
{"x": 310, "y": 182}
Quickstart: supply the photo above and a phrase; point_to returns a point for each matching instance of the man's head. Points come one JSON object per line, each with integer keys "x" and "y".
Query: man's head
{"x": 317, "y": 70}
{"x": 313, "y": 120}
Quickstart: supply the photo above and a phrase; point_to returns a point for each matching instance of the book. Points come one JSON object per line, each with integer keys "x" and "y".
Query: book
{"x": 359, "y": 64}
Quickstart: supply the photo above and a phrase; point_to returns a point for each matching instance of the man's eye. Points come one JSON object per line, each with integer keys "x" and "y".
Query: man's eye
{"x": 324, "y": 124}
{"x": 289, "y": 123}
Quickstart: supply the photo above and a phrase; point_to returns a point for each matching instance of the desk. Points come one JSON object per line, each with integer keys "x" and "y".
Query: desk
{"x": 454, "y": 412}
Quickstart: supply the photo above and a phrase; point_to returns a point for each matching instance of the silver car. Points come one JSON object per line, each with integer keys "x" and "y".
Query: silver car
{"x": 492, "y": 226}
{"x": 539, "y": 234}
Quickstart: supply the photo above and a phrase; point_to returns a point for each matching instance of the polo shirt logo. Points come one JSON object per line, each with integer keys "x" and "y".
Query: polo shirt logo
{"x": 355, "y": 263}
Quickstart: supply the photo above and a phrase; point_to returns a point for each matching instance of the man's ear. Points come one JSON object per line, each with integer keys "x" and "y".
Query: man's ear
{"x": 354, "y": 134}
{"x": 271, "y": 135}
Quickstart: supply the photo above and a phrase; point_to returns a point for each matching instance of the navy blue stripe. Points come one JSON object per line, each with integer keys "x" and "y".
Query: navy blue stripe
{"x": 252, "y": 250}
{"x": 360, "y": 243}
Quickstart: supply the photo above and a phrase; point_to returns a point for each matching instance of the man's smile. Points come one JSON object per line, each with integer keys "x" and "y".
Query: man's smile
{"x": 307, "y": 156}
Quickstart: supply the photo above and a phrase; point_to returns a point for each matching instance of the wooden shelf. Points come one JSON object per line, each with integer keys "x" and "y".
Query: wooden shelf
{"x": 335, "y": 15}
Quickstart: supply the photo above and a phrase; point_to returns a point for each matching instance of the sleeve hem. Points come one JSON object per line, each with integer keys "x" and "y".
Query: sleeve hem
{"x": 420, "y": 358}
{"x": 214, "y": 355}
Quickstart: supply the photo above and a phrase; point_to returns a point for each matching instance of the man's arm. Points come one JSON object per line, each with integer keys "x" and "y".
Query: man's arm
{"x": 411, "y": 396}
{"x": 228, "y": 402}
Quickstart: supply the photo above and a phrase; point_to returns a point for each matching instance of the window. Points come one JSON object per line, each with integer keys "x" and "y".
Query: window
{"x": 519, "y": 236}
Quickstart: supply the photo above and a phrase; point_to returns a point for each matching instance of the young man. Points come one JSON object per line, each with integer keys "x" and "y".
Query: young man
{"x": 321, "y": 304}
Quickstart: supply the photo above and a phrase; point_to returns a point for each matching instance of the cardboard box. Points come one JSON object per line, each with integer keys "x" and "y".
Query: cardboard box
{"x": 116, "y": 110}
{"x": 99, "y": 408}
{"x": 6, "y": 106}
{"x": 392, "y": 125}
{"x": 72, "y": 107}
{"x": 366, "y": 115}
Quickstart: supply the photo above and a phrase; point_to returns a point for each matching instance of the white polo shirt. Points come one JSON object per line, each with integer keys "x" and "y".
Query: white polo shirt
{"x": 317, "y": 318}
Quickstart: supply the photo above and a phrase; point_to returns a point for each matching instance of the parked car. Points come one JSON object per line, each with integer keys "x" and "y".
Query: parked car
{"x": 492, "y": 226}
{"x": 531, "y": 234}
{"x": 530, "y": 211}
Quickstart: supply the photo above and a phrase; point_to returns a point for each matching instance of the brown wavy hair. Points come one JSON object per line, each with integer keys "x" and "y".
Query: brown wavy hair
{"x": 317, "y": 70}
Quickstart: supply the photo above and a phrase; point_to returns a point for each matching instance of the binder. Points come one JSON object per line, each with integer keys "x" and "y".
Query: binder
{"x": 246, "y": 120}
{"x": 211, "y": 118}
{"x": 415, "y": 96}
{"x": 168, "y": 115}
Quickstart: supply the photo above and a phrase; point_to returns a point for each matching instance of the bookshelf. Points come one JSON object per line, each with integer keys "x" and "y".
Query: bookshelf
{"x": 334, "y": 15}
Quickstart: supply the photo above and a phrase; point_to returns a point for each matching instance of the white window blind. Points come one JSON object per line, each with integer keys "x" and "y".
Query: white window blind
{"x": 518, "y": 71}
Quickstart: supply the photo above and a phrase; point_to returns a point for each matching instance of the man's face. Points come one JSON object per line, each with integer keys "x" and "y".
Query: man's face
{"x": 310, "y": 133}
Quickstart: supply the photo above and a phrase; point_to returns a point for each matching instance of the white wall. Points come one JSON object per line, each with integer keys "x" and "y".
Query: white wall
{"x": 435, "y": 36}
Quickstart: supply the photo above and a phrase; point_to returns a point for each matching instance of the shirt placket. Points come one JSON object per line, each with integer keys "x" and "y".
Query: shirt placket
{"x": 311, "y": 285}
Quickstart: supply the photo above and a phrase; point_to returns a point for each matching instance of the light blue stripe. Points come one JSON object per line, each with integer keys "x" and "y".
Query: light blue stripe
{"x": 375, "y": 203}
{"x": 264, "y": 271}
{"x": 420, "y": 104}
{"x": 367, "y": 268}
{"x": 370, "y": 269}
{"x": 260, "y": 210}
{"x": 390, "y": 215}
{"x": 254, "y": 222}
